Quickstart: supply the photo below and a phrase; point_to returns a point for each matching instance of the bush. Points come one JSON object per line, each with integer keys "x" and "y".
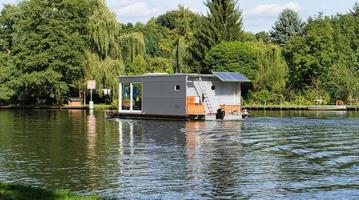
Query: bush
{"x": 261, "y": 96}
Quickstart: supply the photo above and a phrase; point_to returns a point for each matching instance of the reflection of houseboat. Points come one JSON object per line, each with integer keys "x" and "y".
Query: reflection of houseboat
{"x": 181, "y": 96}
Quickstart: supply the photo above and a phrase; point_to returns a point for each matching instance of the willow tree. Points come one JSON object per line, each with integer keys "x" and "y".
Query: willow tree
{"x": 272, "y": 74}
{"x": 133, "y": 51}
{"x": 132, "y": 44}
{"x": 110, "y": 52}
{"x": 103, "y": 57}
{"x": 104, "y": 30}
{"x": 179, "y": 54}
{"x": 104, "y": 71}
{"x": 183, "y": 37}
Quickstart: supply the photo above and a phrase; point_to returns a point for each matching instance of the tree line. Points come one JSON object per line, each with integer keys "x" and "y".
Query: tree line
{"x": 48, "y": 49}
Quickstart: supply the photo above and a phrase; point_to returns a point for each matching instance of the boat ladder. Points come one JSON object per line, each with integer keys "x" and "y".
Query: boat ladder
{"x": 205, "y": 97}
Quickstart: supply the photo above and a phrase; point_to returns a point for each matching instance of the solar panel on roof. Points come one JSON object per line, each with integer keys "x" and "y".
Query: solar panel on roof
{"x": 231, "y": 77}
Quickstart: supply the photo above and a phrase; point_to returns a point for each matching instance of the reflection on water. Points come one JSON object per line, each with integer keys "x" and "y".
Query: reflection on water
{"x": 272, "y": 155}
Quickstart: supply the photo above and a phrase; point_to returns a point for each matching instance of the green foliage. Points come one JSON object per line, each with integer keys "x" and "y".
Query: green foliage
{"x": 344, "y": 82}
{"x": 132, "y": 45}
{"x": 174, "y": 19}
{"x": 262, "y": 36}
{"x": 156, "y": 38}
{"x": 105, "y": 72}
{"x": 47, "y": 54}
{"x": 261, "y": 96}
{"x": 103, "y": 30}
{"x": 262, "y": 63}
{"x": 288, "y": 24}
{"x": 327, "y": 52}
{"x": 139, "y": 65}
{"x": 180, "y": 55}
{"x": 247, "y": 37}
{"x": 223, "y": 23}
{"x": 183, "y": 37}
{"x": 159, "y": 65}
{"x": 225, "y": 19}
{"x": 272, "y": 73}
{"x": 7, "y": 20}
{"x": 20, "y": 192}
{"x": 311, "y": 56}
{"x": 234, "y": 57}
{"x": 316, "y": 91}
{"x": 49, "y": 49}
{"x": 7, "y": 78}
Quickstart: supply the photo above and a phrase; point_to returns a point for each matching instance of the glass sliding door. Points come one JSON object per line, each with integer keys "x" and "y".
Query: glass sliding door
{"x": 137, "y": 96}
{"x": 131, "y": 97}
{"x": 126, "y": 96}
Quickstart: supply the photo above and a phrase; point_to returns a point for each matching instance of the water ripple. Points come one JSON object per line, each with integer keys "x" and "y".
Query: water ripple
{"x": 268, "y": 156}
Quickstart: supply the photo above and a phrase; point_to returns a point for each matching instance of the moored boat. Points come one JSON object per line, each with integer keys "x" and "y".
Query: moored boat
{"x": 327, "y": 107}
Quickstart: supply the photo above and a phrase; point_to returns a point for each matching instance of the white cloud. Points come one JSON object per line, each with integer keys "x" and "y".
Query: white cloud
{"x": 270, "y": 10}
{"x": 262, "y": 16}
{"x": 127, "y": 8}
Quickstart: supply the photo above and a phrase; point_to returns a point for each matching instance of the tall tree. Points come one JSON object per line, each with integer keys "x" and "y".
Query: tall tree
{"x": 223, "y": 23}
{"x": 310, "y": 56}
{"x": 103, "y": 30}
{"x": 272, "y": 74}
{"x": 288, "y": 24}
{"x": 132, "y": 45}
{"x": 103, "y": 55}
{"x": 48, "y": 54}
{"x": 183, "y": 36}
{"x": 7, "y": 71}
{"x": 173, "y": 19}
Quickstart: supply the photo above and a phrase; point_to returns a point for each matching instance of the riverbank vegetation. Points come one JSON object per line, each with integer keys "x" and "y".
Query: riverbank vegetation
{"x": 48, "y": 49}
{"x": 20, "y": 192}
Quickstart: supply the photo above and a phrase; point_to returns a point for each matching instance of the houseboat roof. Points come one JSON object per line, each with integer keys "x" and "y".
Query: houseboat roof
{"x": 222, "y": 76}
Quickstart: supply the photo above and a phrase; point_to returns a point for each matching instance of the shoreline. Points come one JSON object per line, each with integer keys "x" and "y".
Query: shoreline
{"x": 296, "y": 108}
{"x": 55, "y": 107}
{"x": 109, "y": 107}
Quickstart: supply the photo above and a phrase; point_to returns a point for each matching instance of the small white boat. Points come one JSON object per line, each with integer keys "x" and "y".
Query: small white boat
{"x": 245, "y": 113}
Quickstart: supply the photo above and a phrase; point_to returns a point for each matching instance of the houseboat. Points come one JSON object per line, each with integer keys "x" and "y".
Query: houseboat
{"x": 181, "y": 96}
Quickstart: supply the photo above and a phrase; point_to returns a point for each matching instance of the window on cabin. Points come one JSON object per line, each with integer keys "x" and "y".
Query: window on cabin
{"x": 177, "y": 88}
{"x": 131, "y": 96}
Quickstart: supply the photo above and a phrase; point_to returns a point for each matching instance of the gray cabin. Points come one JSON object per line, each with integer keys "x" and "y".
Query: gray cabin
{"x": 181, "y": 96}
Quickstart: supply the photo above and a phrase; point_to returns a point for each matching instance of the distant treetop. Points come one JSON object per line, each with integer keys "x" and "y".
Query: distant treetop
{"x": 288, "y": 24}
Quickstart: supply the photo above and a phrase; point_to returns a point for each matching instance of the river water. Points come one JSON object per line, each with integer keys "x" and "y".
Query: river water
{"x": 271, "y": 155}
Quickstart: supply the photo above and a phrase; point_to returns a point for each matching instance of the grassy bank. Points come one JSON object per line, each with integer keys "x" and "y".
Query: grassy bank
{"x": 20, "y": 192}
{"x": 103, "y": 107}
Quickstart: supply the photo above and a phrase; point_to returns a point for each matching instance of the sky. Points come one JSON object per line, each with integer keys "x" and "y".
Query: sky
{"x": 258, "y": 15}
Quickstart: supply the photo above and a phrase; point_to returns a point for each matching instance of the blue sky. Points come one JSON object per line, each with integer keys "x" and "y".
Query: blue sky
{"x": 259, "y": 15}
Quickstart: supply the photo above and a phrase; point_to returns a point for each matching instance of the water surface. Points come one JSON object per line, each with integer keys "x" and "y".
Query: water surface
{"x": 271, "y": 155}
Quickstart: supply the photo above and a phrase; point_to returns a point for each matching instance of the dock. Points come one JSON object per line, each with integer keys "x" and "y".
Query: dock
{"x": 301, "y": 108}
